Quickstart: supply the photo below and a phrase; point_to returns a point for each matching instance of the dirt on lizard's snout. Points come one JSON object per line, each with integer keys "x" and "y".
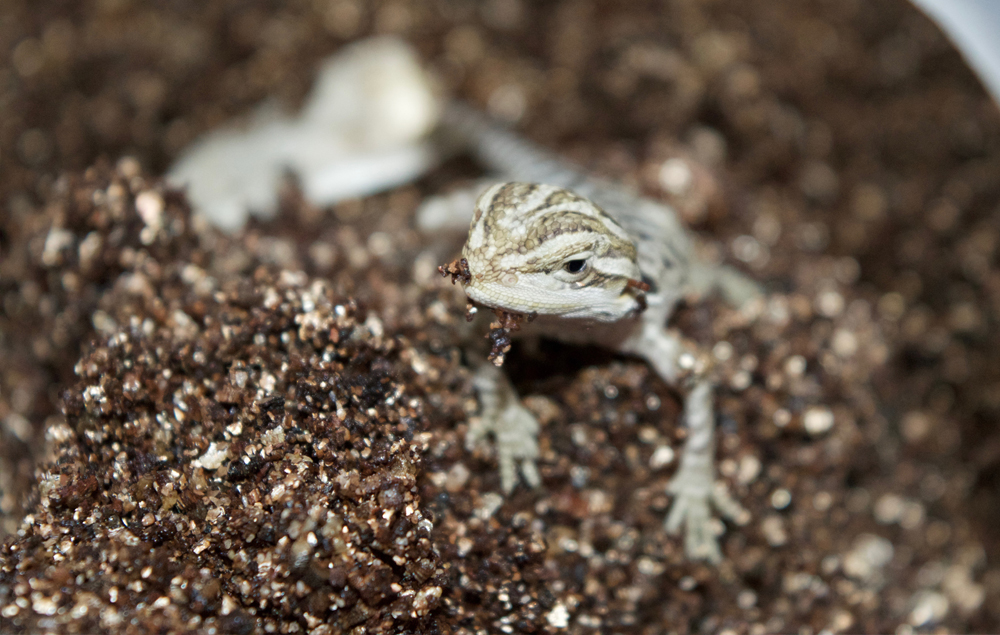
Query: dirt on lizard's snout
{"x": 500, "y": 333}
{"x": 266, "y": 432}
{"x": 500, "y": 330}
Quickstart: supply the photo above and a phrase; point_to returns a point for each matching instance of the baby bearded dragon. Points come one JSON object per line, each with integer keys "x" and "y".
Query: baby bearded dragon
{"x": 595, "y": 264}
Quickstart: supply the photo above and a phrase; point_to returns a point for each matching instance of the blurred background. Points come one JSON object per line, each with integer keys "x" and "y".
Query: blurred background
{"x": 854, "y": 127}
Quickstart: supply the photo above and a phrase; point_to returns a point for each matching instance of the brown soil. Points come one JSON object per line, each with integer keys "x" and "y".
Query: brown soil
{"x": 265, "y": 432}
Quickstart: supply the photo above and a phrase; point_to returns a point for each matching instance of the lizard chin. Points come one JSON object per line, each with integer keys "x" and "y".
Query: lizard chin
{"x": 602, "y": 305}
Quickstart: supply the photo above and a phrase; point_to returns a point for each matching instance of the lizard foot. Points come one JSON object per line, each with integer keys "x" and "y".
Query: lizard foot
{"x": 695, "y": 496}
{"x": 514, "y": 428}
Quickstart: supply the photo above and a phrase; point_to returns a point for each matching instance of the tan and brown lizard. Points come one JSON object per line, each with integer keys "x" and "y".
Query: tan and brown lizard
{"x": 589, "y": 262}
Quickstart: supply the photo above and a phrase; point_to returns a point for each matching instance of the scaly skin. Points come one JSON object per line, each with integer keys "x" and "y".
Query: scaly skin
{"x": 541, "y": 249}
{"x": 598, "y": 265}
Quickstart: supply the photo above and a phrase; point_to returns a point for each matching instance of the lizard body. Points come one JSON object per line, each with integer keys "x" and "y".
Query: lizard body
{"x": 597, "y": 264}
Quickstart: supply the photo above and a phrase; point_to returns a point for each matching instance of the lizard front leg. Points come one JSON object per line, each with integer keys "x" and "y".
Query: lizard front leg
{"x": 695, "y": 489}
{"x": 694, "y": 486}
{"x": 514, "y": 428}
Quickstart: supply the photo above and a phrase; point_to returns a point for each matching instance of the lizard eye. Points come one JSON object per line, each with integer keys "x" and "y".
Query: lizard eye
{"x": 575, "y": 266}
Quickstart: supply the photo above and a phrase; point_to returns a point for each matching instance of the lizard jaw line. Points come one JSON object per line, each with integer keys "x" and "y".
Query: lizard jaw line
{"x": 497, "y": 296}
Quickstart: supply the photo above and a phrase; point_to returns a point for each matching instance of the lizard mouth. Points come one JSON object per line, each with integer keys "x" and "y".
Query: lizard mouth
{"x": 632, "y": 283}
{"x": 636, "y": 291}
{"x": 639, "y": 295}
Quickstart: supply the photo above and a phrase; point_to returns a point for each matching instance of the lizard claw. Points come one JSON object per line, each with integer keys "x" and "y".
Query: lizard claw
{"x": 695, "y": 498}
{"x": 515, "y": 430}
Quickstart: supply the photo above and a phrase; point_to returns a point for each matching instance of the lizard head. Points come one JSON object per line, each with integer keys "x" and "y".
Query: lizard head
{"x": 541, "y": 249}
